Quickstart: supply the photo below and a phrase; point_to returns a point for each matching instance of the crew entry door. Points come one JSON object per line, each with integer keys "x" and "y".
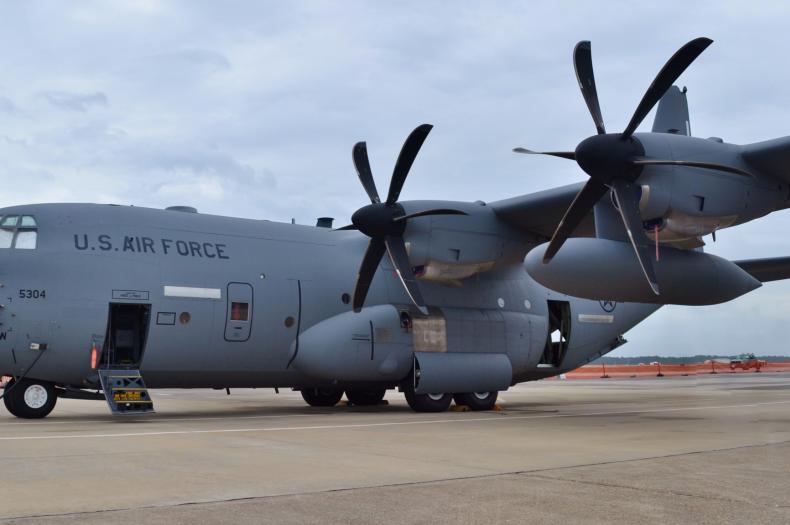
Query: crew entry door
{"x": 238, "y": 322}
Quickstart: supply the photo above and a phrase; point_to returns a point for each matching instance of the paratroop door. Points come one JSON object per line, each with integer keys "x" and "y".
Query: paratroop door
{"x": 239, "y": 316}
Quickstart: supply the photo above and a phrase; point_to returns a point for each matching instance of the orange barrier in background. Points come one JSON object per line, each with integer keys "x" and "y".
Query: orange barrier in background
{"x": 653, "y": 370}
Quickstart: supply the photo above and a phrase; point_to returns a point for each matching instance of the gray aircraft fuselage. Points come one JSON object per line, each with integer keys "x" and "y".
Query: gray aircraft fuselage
{"x": 188, "y": 268}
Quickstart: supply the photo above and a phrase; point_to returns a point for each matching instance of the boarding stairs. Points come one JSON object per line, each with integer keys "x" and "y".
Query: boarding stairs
{"x": 125, "y": 391}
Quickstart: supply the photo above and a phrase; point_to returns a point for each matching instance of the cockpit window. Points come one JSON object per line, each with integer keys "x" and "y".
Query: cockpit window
{"x": 20, "y": 232}
{"x": 6, "y": 238}
{"x": 9, "y": 220}
{"x": 26, "y": 240}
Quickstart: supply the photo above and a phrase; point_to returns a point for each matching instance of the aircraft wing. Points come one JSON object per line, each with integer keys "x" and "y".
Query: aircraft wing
{"x": 765, "y": 270}
{"x": 772, "y": 157}
{"x": 541, "y": 212}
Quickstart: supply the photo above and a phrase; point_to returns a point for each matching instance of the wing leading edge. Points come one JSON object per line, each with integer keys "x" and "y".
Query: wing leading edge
{"x": 540, "y": 213}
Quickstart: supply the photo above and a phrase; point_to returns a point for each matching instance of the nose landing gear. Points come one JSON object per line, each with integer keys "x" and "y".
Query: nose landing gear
{"x": 29, "y": 399}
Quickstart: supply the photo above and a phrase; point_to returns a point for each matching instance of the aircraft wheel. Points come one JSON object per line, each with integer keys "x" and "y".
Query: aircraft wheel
{"x": 426, "y": 402}
{"x": 477, "y": 400}
{"x": 30, "y": 399}
{"x": 322, "y": 397}
{"x": 365, "y": 397}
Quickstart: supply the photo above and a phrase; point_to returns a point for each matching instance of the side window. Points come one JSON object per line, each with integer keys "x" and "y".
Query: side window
{"x": 20, "y": 232}
{"x": 239, "y": 311}
{"x": 238, "y": 322}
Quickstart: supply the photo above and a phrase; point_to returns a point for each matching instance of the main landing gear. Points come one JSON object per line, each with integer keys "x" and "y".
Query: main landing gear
{"x": 365, "y": 396}
{"x": 477, "y": 400}
{"x": 441, "y": 402}
{"x": 322, "y": 397}
{"x": 329, "y": 397}
{"x": 425, "y": 402}
{"x": 29, "y": 399}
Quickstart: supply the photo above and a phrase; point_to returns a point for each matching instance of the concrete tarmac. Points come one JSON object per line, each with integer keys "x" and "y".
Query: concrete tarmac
{"x": 705, "y": 449}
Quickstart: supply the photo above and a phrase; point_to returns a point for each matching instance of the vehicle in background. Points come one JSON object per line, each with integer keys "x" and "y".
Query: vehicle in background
{"x": 746, "y": 362}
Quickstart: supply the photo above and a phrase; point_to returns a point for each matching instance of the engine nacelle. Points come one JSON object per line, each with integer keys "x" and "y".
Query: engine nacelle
{"x": 448, "y": 249}
{"x": 602, "y": 269}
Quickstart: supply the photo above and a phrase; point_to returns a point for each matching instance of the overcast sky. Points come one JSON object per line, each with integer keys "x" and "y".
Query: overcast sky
{"x": 251, "y": 108}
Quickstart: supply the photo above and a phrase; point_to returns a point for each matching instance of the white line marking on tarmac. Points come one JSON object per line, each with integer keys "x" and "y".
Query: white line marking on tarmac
{"x": 381, "y": 424}
{"x": 148, "y": 419}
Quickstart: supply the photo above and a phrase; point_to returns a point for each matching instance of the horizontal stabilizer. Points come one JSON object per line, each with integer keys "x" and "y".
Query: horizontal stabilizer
{"x": 765, "y": 270}
{"x": 771, "y": 157}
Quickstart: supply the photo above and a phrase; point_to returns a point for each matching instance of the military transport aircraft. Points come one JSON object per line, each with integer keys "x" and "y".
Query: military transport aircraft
{"x": 104, "y": 301}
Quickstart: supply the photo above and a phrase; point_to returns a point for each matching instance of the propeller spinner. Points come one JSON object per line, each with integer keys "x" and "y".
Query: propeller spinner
{"x": 385, "y": 222}
{"x": 614, "y": 161}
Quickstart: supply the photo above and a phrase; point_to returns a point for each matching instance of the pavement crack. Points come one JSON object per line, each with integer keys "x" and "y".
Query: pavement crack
{"x": 650, "y": 458}
{"x": 640, "y": 489}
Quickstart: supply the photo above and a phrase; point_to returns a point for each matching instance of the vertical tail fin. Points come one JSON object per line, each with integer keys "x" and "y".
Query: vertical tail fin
{"x": 672, "y": 115}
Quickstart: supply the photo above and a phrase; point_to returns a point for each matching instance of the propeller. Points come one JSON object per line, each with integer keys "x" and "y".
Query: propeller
{"x": 614, "y": 161}
{"x": 385, "y": 222}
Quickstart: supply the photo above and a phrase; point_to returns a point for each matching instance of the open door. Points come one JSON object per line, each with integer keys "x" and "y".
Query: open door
{"x": 127, "y": 332}
{"x": 559, "y": 333}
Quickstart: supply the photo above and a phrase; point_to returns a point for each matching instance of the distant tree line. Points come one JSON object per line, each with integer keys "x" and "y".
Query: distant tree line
{"x": 647, "y": 359}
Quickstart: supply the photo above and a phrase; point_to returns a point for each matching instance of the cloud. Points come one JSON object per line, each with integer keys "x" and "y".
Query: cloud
{"x": 200, "y": 59}
{"x": 75, "y": 101}
{"x": 7, "y": 107}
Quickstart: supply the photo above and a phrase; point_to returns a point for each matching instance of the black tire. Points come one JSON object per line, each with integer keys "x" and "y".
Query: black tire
{"x": 477, "y": 400}
{"x": 8, "y": 400}
{"x": 365, "y": 397}
{"x": 425, "y": 402}
{"x": 322, "y": 397}
{"x": 30, "y": 399}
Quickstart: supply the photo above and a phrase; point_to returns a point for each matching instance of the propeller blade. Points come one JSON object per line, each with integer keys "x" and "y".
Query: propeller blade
{"x": 370, "y": 263}
{"x": 360, "y": 156}
{"x": 437, "y": 211}
{"x": 628, "y": 204}
{"x": 589, "y": 195}
{"x": 570, "y": 155}
{"x": 406, "y": 158}
{"x": 396, "y": 248}
{"x": 674, "y": 67}
{"x": 346, "y": 227}
{"x": 582, "y": 64}
{"x": 693, "y": 164}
